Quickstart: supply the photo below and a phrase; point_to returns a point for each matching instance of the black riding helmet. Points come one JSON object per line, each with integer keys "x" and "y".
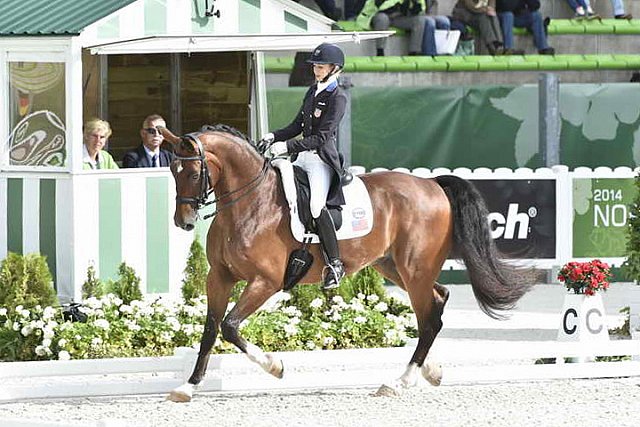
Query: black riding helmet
{"x": 327, "y": 53}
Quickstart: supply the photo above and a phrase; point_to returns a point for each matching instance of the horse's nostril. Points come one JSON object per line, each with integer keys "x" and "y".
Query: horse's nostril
{"x": 187, "y": 227}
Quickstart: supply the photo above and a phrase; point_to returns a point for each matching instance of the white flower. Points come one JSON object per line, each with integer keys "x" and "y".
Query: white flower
{"x": 325, "y": 325}
{"x": 132, "y": 325}
{"x": 360, "y": 319}
{"x": 24, "y": 313}
{"x": 26, "y": 330}
{"x": 329, "y": 341}
{"x": 337, "y": 299}
{"x": 173, "y": 323}
{"x": 16, "y": 326}
{"x": 48, "y": 313}
{"x": 373, "y": 298}
{"x": 187, "y": 329}
{"x": 357, "y": 305}
{"x": 96, "y": 341}
{"x": 3, "y": 311}
{"x": 361, "y": 295}
{"x": 290, "y": 329}
{"x": 40, "y": 351}
{"x": 46, "y": 343}
{"x": 62, "y": 342}
{"x": 292, "y": 311}
{"x": 166, "y": 336}
{"x": 336, "y": 316}
{"x": 64, "y": 355}
{"x": 381, "y": 306}
{"x": 311, "y": 345}
{"x": 286, "y": 296}
{"x": 47, "y": 333}
{"x": 127, "y": 309}
{"x": 294, "y": 320}
{"x": 317, "y": 303}
{"x": 93, "y": 302}
{"x": 102, "y": 323}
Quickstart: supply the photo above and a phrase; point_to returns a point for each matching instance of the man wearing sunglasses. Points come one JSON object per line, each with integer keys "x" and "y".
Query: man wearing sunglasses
{"x": 149, "y": 154}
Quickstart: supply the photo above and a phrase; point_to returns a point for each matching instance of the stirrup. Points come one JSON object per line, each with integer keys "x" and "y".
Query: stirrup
{"x": 334, "y": 273}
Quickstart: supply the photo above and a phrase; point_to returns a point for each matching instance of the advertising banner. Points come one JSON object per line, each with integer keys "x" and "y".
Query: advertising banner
{"x": 600, "y": 215}
{"x": 522, "y": 216}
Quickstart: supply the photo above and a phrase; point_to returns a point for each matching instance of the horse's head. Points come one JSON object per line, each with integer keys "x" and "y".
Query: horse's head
{"x": 190, "y": 170}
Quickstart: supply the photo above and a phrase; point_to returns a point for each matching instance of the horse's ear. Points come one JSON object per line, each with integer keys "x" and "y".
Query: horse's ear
{"x": 168, "y": 135}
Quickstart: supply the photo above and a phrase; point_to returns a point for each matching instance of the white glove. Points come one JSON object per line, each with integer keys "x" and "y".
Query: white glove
{"x": 276, "y": 149}
{"x": 268, "y": 138}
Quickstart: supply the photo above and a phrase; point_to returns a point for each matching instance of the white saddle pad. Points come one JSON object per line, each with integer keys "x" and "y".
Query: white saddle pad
{"x": 357, "y": 214}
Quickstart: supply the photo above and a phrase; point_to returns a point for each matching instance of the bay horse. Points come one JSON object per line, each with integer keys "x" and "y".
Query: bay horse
{"x": 418, "y": 223}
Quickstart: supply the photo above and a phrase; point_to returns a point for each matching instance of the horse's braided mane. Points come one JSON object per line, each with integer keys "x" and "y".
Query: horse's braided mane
{"x": 227, "y": 129}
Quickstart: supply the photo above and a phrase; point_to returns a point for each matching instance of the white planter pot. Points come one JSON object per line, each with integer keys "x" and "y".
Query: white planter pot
{"x": 583, "y": 319}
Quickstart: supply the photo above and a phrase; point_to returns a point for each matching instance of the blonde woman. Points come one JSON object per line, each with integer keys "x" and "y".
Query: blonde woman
{"x": 95, "y": 136}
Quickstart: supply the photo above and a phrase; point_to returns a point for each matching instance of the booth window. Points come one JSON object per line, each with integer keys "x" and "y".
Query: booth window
{"x": 37, "y": 114}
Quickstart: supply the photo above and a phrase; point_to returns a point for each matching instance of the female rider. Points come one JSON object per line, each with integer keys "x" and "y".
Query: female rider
{"x": 322, "y": 109}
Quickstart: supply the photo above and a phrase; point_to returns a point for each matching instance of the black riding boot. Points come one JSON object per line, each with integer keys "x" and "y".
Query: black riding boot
{"x": 334, "y": 271}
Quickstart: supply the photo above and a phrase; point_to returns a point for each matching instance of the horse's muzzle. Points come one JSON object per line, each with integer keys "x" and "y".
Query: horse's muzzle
{"x": 185, "y": 218}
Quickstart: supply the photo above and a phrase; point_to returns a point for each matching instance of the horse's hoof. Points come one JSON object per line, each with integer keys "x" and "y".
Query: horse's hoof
{"x": 178, "y": 396}
{"x": 182, "y": 393}
{"x": 387, "y": 391}
{"x": 277, "y": 369}
{"x": 432, "y": 372}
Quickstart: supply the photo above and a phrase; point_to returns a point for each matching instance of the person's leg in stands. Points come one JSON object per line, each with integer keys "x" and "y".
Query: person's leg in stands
{"x": 618, "y": 10}
{"x": 506, "y": 24}
{"x": 414, "y": 24}
{"x": 429, "y": 37}
{"x": 329, "y": 9}
{"x": 352, "y": 8}
{"x": 533, "y": 22}
{"x": 380, "y": 22}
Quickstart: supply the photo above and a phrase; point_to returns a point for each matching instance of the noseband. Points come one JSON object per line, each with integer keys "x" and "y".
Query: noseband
{"x": 205, "y": 185}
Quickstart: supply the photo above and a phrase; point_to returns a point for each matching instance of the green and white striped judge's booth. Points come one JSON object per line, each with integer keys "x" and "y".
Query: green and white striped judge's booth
{"x": 63, "y": 62}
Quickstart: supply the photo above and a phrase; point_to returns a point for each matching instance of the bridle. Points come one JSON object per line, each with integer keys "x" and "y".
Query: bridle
{"x": 206, "y": 188}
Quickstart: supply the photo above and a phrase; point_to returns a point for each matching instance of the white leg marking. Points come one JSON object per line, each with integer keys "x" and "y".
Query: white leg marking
{"x": 406, "y": 380}
{"x": 255, "y": 354}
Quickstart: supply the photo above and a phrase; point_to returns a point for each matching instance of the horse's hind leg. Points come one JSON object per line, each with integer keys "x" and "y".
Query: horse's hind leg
{"x": 427, "y": 299}
{"x": 431, "y": 371}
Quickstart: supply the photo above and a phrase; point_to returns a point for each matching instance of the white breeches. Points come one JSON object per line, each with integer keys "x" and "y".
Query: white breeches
{"x": 319, "y": 174}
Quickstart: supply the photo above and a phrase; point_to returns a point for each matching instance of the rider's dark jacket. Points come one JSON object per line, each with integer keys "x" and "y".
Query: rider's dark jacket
{"x": 318, "y": 121}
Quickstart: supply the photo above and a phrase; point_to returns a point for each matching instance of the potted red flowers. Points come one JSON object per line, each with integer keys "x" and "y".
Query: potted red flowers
{"x": 585, "y": 277}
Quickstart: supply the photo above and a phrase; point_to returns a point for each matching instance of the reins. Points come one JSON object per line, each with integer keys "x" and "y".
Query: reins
{"x": 205, "y": 185}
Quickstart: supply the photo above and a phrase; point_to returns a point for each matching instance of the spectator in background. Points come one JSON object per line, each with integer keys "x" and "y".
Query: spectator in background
{"x": 582, "y": 9}
{"x": 352, "y": 9}
{"x": 328, "y": 8}
{"x": 618, "y": 10}
{"x": 616, "y": 5}
{"x": 523, "y": 14}
{"x": 95, "y": 135}
{"x": 481, "y": 16}
{"x": 409, "y": 15}
{"x": 149, "y": 154}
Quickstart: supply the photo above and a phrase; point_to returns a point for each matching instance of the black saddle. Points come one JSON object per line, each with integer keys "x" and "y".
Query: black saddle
{"x": 304, "y": 212}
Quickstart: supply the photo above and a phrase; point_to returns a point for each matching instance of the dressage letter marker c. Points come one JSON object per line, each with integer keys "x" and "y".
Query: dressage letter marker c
{"x": 564, "y": 321}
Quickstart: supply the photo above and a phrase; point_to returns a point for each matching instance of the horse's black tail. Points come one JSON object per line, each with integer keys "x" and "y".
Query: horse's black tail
{"x": 496, "y": 285}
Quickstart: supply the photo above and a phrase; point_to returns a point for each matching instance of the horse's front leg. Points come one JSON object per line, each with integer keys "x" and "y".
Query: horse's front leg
{"x": 219, "y": 286}
{"x": 253, "y": 297}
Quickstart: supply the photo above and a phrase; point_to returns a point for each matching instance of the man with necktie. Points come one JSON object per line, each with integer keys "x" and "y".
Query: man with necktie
{"x": 149, "y": 154}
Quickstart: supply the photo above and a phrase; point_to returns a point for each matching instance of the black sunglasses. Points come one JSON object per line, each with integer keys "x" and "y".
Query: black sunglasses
{"x": 152, "y": 131}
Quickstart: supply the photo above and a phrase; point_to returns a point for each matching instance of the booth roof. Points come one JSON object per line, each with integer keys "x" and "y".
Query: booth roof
{"x": 58, "y": 17}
